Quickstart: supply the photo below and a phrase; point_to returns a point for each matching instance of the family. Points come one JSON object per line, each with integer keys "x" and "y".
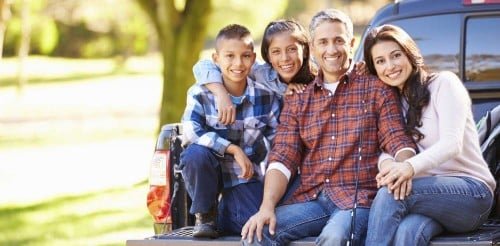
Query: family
{"x": 309, "y": 143}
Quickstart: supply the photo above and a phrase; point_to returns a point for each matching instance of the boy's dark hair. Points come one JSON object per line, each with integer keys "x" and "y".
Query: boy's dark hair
{"x": 234, "y": 31}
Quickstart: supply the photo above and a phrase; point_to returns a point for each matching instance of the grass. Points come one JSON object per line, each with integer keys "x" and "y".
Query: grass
{"x": 68, "y": 103}
{"x": 107, "y": 217}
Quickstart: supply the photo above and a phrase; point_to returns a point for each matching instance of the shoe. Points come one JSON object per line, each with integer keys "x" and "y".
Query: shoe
{"x": 204, "y": 225}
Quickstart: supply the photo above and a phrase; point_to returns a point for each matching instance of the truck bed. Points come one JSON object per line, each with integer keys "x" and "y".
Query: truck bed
{"x": 487, "y": 234}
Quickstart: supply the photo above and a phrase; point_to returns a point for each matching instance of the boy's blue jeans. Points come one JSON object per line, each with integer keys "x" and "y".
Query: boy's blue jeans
{"x": 456, "y": 204}
{"x": 203, "y": 178}
{"x": 319, "y": 217}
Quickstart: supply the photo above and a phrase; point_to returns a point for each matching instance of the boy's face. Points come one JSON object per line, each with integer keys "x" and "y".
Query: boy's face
{"x": 235, "y": 58}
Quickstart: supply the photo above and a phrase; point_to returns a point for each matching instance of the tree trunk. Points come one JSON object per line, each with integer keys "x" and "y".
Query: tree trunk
{"x": 4, "y": 17}
{"x": 181, "y": 35}
{"x": 24, "y": 45}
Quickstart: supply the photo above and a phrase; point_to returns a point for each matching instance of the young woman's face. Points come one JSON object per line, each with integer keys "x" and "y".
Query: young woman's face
{"x": 391, "y": 63}
{"x": 286, "y": 55}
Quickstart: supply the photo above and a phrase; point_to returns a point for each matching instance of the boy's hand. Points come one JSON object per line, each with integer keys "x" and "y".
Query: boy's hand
{"x": 226, "y": 109}
{"x": 298, "y": 88}
{"x": 241, "y": 158}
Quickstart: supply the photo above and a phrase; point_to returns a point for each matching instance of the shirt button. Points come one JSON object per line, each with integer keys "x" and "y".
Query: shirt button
{"x": 329, "y": 94}
{"x": 327, "y": 180}
{"x": 333, "y": 137}
{"x": 329, "y": 158}
{"x": 333, "y": 115}
{"x": 314, "y": 196}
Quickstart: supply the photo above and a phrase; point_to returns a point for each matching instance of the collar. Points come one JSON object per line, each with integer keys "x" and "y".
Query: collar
{"x": 345, "y": 78}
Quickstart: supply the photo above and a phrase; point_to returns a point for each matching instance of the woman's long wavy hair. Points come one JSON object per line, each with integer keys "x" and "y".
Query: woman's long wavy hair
{"x": 415, "y": 90}
{"x": 305, "y": 74}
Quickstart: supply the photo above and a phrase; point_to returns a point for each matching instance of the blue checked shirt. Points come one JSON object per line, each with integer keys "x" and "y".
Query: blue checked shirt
{"x": 205, "y": 71}
{"x": 253, "y": 130}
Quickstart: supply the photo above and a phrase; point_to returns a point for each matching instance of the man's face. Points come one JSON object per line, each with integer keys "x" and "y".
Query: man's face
{"x": 235, "y": 58}
{"x": 331, "y": 49}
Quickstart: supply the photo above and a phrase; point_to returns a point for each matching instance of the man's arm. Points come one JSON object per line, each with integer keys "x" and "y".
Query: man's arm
{"x": 274, "y": 188}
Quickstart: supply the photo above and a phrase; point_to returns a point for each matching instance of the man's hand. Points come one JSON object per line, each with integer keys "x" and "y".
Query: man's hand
{"x": 241, "y": 158}
{"x": 254, "y": 225}
{"x": 298, "y": 88}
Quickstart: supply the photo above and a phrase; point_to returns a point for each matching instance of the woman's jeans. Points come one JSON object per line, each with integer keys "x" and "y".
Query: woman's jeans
{"x": 203, "y": 178}
{"x": 455, "y": 204}
{"x": 308, "y": 219}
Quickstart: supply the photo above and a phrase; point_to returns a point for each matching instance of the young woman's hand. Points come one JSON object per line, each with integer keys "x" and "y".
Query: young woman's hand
{"x": 226, "y": 109}
{"x": 361, "y": 68}
{"x": 294, "y": 87}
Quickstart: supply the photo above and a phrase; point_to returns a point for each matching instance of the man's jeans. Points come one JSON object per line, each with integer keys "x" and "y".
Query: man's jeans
{"x": 203, "y": 178}
{"x": 455, "y": 204}
{"x": 308, "y": 219}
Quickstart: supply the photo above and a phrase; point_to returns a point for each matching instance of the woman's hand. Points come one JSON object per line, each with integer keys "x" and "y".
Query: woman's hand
{"x": 398, "y": 178}
{"x": 298, "y": 88}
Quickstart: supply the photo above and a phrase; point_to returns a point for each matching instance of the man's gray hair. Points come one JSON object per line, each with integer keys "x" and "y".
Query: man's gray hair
{"x": 331, "y": 15}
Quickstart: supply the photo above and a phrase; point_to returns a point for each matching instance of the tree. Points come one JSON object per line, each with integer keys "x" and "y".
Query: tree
{"x": 181, "y": 35}
{"x": 4, "y": 16}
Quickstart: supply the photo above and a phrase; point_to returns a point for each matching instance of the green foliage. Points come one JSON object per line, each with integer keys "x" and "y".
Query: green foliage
{"x": 44, "y": 36}
{"x": 255, "y": 15}
{"x": 99, "y": 47}
{"x": 43, "y": 40}
{"x": 107, "y": 217}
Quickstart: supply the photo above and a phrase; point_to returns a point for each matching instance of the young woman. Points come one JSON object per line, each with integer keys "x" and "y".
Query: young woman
{"x": 286, "y": 53}
{"x": 447, "y": 185}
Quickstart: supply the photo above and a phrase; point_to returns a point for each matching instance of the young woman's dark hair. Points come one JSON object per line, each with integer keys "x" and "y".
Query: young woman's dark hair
{"x": 305, "y": 74}
{"x": 415, "y": 90}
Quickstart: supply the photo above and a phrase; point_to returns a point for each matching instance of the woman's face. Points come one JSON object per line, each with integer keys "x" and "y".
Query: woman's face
{"x": 286, "y": 55}
{"x": 391, "y": 63}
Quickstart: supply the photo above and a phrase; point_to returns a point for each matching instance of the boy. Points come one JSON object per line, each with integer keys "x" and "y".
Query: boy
{"x": 224, "y": 159}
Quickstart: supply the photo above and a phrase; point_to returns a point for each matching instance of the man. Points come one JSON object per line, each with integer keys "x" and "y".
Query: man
{"x": 331, "y": 134}
{"x": 224, "y": 159}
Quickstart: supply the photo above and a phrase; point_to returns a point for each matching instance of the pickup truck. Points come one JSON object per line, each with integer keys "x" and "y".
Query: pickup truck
{"x": 456, "y": 35}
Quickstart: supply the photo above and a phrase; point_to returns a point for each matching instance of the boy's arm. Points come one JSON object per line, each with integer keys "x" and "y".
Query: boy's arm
{"x": 194, "y": 123}
{"x": 207, "y": 73}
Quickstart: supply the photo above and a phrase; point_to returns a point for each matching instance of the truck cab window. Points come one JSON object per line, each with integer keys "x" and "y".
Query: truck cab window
{"x": 482, "y": 52}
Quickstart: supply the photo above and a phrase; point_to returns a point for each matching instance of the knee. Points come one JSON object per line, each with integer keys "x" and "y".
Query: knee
{"x": 195, "y": 157}
{"x": 383, "y": 195}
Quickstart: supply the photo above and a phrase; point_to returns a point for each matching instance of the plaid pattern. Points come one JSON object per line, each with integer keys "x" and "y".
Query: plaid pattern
{"x": 319, "y": 136}
{"x": 254, "y": 128}
{"x": 205, "y": 71}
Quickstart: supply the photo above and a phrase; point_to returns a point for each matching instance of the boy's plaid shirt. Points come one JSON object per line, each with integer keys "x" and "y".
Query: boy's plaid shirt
{"x": 253, "y": 130}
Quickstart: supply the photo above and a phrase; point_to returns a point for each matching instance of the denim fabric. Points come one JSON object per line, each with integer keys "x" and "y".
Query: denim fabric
{"x": 458, "y": 204}
{"x": 237, "y": 205}
{"x": 337, "y": 229}
{"x": 416, "y": 229}
{"x": 300, "y": 220}
{"x": 202, "y": 175}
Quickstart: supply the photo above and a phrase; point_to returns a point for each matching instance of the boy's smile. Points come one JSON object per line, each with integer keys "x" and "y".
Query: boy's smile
{"x": 235, "y": 58}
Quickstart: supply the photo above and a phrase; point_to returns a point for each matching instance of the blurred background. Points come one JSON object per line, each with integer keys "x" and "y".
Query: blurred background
{"x": 85, "y": 86}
